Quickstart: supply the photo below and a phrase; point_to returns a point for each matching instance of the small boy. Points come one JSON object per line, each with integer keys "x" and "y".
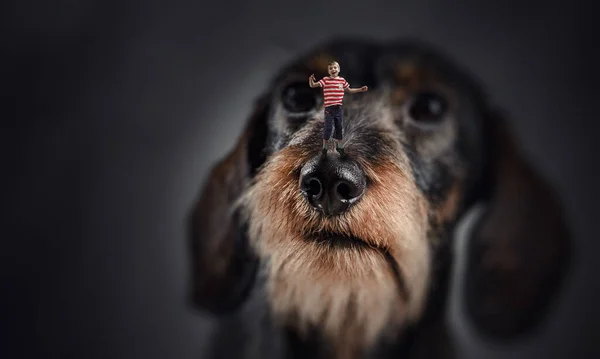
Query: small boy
{"x": 334, "y": 87}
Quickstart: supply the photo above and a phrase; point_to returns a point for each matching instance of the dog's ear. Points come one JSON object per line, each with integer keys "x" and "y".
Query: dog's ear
{"x": 520, "y": 251}
{"x": 223, "y": 267}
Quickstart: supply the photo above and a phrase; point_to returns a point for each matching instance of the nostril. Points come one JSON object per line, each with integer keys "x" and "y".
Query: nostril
{"x": 348, "y": 191}
{"x": 314, "y": 187}
{"x": 344, "y": 191}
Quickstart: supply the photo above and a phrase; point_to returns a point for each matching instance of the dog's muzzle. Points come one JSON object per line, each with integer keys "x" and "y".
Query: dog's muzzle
{"x": 331, "y": 185}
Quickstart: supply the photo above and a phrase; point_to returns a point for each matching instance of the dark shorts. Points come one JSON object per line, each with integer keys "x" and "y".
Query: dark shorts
{"x": 333, "y": 122}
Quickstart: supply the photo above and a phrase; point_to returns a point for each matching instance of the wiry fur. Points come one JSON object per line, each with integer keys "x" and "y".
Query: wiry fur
{"x": 350, "y": 292}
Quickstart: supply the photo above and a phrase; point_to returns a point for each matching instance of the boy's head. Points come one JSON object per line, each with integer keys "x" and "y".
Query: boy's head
{"x": 333, "y": 68}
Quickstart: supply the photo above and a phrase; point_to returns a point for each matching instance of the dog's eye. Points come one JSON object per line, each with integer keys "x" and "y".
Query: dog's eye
{"x": 427, "y": 107}
{"x": 299, "y": 97}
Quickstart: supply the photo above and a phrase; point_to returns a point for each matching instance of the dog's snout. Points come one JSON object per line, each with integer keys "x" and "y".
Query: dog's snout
{"x": 331, "y": 185}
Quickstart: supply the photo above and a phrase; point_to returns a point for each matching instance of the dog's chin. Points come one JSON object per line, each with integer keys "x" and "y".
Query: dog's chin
{"x": 337, "y": 241}
{"x": 339, "y": 284}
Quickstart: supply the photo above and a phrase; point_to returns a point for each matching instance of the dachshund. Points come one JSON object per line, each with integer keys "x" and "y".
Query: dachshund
{"x": 297, "y": 253}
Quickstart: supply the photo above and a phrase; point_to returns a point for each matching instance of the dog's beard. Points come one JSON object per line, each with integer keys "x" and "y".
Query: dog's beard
{"x": 349, "y": 290}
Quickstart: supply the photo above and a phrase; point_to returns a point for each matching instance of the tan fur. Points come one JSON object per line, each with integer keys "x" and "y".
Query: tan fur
{"x": 350, "y": 293}
{"x": 407, "y": 72}
{"x": 319, "y": 62}
{"x": 447, "y": 211}
{"x": 399, "y": 95}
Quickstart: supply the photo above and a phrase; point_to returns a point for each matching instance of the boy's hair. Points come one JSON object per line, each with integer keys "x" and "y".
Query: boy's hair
{"x": 333, "y": 62}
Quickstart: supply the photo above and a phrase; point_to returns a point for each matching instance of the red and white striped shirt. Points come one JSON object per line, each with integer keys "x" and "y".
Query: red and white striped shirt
{"x": 333, "y": 89}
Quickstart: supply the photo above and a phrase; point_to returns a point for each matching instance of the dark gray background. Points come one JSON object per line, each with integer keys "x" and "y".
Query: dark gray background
{"x": 114, "y": 110}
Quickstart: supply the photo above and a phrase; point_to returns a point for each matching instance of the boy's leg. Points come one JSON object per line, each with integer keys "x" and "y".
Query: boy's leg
{"x": 328, "y": 128}
{"x": 337, "y": 135}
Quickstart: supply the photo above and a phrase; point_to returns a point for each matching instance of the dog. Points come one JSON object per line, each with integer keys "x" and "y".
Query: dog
{"x": 368, "y": 274}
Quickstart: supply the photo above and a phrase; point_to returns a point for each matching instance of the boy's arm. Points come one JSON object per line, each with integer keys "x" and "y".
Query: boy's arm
{"x": 355, "y": 90}
{"x": 312, "y": 83}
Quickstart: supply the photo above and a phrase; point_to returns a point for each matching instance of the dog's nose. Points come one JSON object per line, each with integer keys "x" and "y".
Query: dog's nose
{"x": 331, "y": 185}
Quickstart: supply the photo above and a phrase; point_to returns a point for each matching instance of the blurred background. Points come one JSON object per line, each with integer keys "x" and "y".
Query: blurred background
{"x": 113, "y": 111}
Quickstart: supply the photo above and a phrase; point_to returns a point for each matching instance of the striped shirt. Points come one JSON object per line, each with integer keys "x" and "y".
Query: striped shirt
{"x": 333, "y": 89}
